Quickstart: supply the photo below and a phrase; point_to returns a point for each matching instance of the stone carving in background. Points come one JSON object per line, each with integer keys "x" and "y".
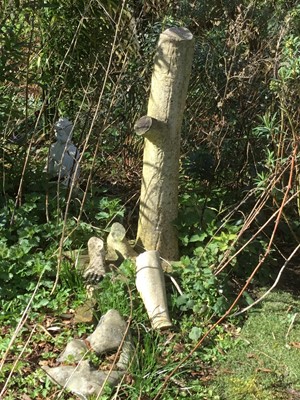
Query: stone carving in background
{"x": 63, "y": 156}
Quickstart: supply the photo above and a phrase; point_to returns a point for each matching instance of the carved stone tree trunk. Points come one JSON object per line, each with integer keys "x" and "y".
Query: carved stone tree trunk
{"x": 161, "y": 129}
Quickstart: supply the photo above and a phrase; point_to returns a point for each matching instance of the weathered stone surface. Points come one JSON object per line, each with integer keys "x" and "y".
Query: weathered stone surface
{"x": 118, "y": 246}
{"x": 74, "y": 351}
{"x": 109, "y": 333}
{"x": 83, "y": 380}
{"x": 126, "y": 353}
{"x": 96, "y": 268}
{"x": 60, "y": 374}
{"x": 85, "y": 313}
{"x": 150, "y": 284}
{"x": 161, "y": 128}
{"x": 63, "y": 159}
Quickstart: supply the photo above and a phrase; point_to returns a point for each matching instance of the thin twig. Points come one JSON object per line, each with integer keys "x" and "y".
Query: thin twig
{"x": 291, "y": 325}
{"x": 273, "y": 286}
{"x": 16, "y": 362}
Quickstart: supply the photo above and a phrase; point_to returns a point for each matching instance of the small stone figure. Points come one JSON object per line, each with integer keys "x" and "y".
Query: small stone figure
{"x": 63, "y": 155}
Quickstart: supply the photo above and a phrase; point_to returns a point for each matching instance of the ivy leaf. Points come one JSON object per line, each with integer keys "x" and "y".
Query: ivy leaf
{"x": 182, "y": 299}
{"x": 102, "y": 215}
{"x": 198, "y": 238}
{"x": 195, "y": 333}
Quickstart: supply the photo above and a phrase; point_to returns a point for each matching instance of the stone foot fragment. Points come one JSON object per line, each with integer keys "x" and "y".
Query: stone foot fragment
{"x": 83, "y": 380}
{"x": 109, "y": 333}
{"x": 74, "y": 351}
{"x": 118, "y": 246}
{"x": 96, "y": 268}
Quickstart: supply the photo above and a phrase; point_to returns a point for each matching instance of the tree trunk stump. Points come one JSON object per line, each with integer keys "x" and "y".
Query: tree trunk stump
{"x": 161, "y": 129}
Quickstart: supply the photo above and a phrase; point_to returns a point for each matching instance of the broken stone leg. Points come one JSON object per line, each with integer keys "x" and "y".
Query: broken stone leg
{"x": 74, "y": 351}
{"x": 118, "y": 246}
{"x": 84, "y": 380}
{"x": 151, "y": 285}
{"x": 126, "y": 354}
{"x": 109, "y": 333}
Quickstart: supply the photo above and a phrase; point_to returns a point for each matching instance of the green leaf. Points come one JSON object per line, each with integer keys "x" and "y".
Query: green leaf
{"x": 195, "y": 333}
{"x": 198, "y": 238}
{"x": 41, "y": 303}
{"x": 248, "y": 298}
{"x": 102, "y": 215}
{"x": 182, "y": 299}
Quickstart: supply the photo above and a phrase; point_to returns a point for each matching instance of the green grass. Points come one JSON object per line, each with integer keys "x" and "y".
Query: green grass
{"x": 264, "y": 364}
